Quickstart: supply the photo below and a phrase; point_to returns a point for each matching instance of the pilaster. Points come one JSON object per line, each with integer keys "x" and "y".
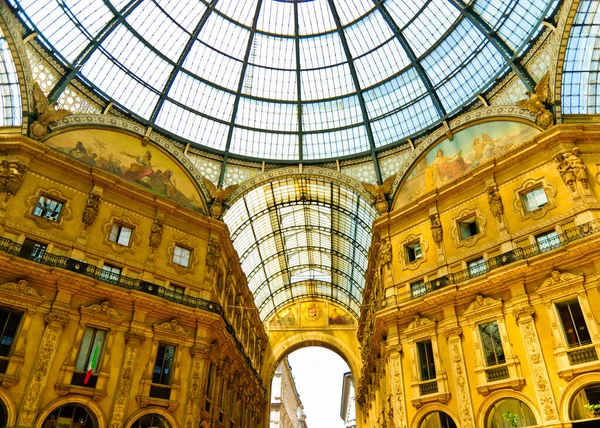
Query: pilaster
{"x": 56, "y": 321}
{"x": 200, "y": 355}
{"x": 398, "y": 399}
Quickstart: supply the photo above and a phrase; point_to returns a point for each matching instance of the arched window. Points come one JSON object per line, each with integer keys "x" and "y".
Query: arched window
{"x": 497, "y": 416}
{"x": 587, "y": 395}
{"x": 437, "y": 420}
{"x": 70, "y": 416}
{"x": 3, "y": 414}
{"x": 10, "y": 96}
{"x": 151, "y": 420}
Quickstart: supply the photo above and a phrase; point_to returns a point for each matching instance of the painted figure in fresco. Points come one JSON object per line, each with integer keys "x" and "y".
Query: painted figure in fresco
{"x": 140, "y": 170}
{"x": 81, "y": 153}
{"x": 483, "y": 148}
{"x": 444, "y": 169}
{"x": 336, "y": 318}
{"x": 285, "y": 319}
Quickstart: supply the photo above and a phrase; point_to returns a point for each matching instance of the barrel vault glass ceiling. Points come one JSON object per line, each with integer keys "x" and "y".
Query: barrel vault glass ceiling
{"x": 288, "y": 80}
{"x": 302, "y": 237}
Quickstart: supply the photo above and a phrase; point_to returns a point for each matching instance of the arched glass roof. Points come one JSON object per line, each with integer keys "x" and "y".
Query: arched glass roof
{"x": 302, "y": 237}
{"x": 288, "y": 80}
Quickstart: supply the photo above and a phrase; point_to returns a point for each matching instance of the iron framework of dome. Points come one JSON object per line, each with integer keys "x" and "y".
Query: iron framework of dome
{"x": 288, "y": 80}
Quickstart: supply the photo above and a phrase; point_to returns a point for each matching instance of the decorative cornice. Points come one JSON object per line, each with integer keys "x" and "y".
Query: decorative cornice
{"x": 523, "y": 311}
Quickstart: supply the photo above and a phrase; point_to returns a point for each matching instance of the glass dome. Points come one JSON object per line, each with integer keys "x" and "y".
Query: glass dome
{"x": 288, "y": 80}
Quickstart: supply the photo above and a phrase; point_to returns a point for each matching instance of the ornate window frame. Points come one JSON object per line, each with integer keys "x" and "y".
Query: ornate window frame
{"x": 528, "y": 185}
{"x": 483, "y": 310}
{"x": 422, "y": 329}
{"x": 194, "y": 259}
{"x": 169, "y": 333}
{"x": 468, "y": 214}
{"x": 125, "y": 221}
{"x": 66, "y": 213}
{"x": 412, "y": 239}
{"x": 101, "y": 316}
{"x": 19, "y": 296}
{"x": 562, "y": 287}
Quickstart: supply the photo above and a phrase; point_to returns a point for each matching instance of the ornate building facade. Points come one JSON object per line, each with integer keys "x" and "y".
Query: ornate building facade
{"x": 286, "y": 407}
{"x": 191, "y": 191}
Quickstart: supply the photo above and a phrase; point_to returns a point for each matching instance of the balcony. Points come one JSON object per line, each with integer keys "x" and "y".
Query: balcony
{"x": 496, "y": 373}
{"x": 33, "y": 253}
{"x": 582, "y": 355}
{"x": 570, "y": 235}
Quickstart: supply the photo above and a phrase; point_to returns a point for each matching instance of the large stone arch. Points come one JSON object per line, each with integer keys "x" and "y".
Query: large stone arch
{"x": 149, "y": 410}
{"x": 82, "y": 400}
{"x": 495, "y": 396}
{"x": 302, "y": 339}
{"x": 573, "y": 388}
{"x": 7, "y": 399}
{"x": 430, "y": 408}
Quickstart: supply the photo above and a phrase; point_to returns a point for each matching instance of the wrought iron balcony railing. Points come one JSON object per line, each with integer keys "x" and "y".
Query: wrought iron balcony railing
{"x": 38, "y": 254}
{"x": 558, "y": 241}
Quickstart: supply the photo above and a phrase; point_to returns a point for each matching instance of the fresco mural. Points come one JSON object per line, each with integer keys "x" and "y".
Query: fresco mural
{"x": 124, "y": 156}
{"x": 469, "y": 149}
{"x": 312, "y": 314}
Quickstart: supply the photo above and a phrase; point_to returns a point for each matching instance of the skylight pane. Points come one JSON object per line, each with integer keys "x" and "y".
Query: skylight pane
{"x": 367, "y": 34}
{"x": 239, "y": 11}
{"x": 215, "y": 102}
{"x": 159, "y": 30}
{"x": 225, "y": 36}
{"x": 351, "y": 10}
{"x": 192, "y": 126}
{"x": 330, "y": 114}
{"x": 326, "y": 82}
{"x": 213, "y": 66}
{"x": 430, "y": 25}
{"x": 270, "y": 83}
{"x": 264, "y": 145}
{"x": 337, "y": 143}
{"x": 186, "y": 13}
{"x": 321, "y": 51}
{"x": 276, "y": 17}
{"x": 275, "y": 52}
{"x": 402, "y": 12}
{"x": 314, "y": 17}
{"x": 266, "y": 115}
{"x": 380, "y": 64}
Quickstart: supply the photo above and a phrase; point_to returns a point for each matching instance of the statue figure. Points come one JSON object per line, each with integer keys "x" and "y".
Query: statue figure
{"x": 219, "y": 196}
{"x": 495, "y": 202}
{"x": 380, "y": 193}
{"x": 156, "y": 233}
{"x": 565, "y": 171}
{"x": 536, "y": 102}
{"x": 90, "y": 212}
{"x": 385, "y": 252}
{"x": 577, "y": 166}
{"x": 46, "y": 113}
{"x": 436, "y": 228}
{"x": 11, "y": 178}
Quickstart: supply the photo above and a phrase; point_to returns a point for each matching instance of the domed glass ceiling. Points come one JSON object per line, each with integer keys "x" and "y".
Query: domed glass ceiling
{"x": 288, "y": 80}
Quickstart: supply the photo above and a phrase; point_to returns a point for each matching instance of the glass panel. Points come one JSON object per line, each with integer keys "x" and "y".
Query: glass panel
{"x": 492, "y": 344}
{"x": 426, "y": 361}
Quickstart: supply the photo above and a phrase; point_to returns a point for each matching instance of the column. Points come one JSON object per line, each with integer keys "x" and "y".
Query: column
{"x": 461, "y": 383}
{"x": 200, "y": 354}
{"x": 539, "y": 374}
{"x": 398, "y": 400}
{"x": 56, "y": 321}
{"x": 134, "y": 340}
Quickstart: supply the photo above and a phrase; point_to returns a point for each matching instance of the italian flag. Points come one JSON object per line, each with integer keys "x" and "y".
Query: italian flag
{"x": 93, "y": 364}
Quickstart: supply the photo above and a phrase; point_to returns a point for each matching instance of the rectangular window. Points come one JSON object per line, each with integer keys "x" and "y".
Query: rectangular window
{"x": 418, "y": 289}
{"x": 468, "y": 228}
{"x": 181, "y": 256}
{"x": 88, "y": 360}
{"x": 413, "y": 252}
{"x": 48, "y": 208}
{"x": 163, "y": 372}
{"x": 477, "y": 267}
{"x": 120, "y": 234}
{"x": 547, "y": 241}
{"x": 110, "y": 274}
{"x": 492, "y": 344}
{"x": 534, "y": 199}
{"x": 573, "y": 324}
{"x": 32, "y": 250}
{"x": 9, "y": 324}
{"x": 426, "y": 363}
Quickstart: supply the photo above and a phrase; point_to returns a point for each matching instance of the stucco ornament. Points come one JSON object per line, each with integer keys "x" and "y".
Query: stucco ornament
{"x": 219, "y": 195}
{"x": 537, "y": 103}
{"x": 45, "y": 111}
{"x": 380, "y": 193}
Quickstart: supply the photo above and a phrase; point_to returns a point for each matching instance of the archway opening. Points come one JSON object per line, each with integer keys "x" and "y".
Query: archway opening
{"x": 586, "y": 403}
{"x": 70, "y": 416}
{"x": 312, "y": 386}
{"x": 509, "y": 410}
{"x": 437, "y": 420}
{"x": 151, "y": 420}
